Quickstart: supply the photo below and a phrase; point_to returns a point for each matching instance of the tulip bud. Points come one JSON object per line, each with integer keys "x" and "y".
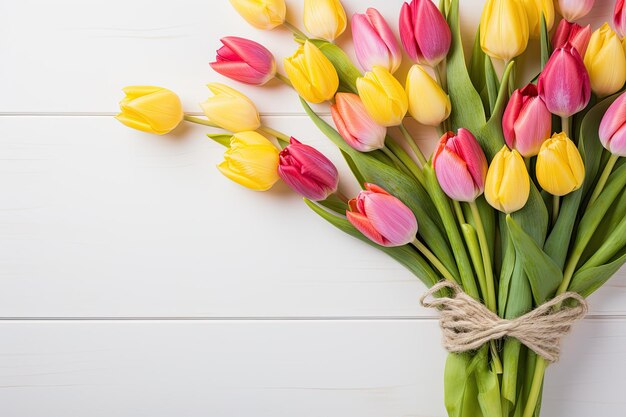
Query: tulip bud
{"x": 262, "y": 14}
{"x": 619, "y": 18}
{"x": 428, "y": 103}
{"x": 504, "y": 29}
{"x": 312, "y": 74}
{"x": 307, "y": 171}
{"x": 574, "y": 9}
{"x": 230, "y": 110}
{"x": 534, "y": 10}
{"x": 251, "y": 161}
{"x": 424, "y": 32}
{"x": 527, "y": 122}
{"x": 355, "y": 124}
{"x": 507, "y": 187}
{"x": 605, "y": 62}
{"x": 573, "y": 33}
{"x": 613, "y": 127}
{"x": 460, "y": 165}
{"x": 245, "y": 61}
{"x": 382, "y": 218}
{"x": 324, "y": 19}
{"x": 560, "y": 169}
{"x": 374, "y": 42}
{"x": 150, "y": 109}
{"x": 564, "y": 82}
{"x": 383, "y": 97}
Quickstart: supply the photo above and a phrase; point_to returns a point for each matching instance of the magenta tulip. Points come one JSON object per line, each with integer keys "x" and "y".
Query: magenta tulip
{"x": 613, "y": 127}
{"x": 460, "y": 165}
{"x": 374, "y": 42}
{"x": 573, "y": 33}
{"x": 564, "y": 83}
{"x": 245, "y": 61}
{"x": 382, "y": 218}
{"x": 424, "y": 32}
{"x": 619, "y": 18}
{"x": 527, "y": 122}
{"x": 355, "y": 125}
{"x": 307, "y": 171}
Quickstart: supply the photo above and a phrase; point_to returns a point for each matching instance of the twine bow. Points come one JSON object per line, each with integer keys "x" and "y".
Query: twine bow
{"x": 467, "y": 324}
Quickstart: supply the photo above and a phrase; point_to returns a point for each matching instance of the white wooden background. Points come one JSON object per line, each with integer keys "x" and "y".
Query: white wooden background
{"x": 136, "y": 281}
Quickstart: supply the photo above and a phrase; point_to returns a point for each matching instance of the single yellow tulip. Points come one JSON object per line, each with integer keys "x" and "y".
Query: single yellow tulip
{"x": 504, "y": 29}
{"x": 534, "y": 10}
{"x": 251, "y": 160}
{"x": 560, "y": 168}
{"x": 324, "y": 19}
{"x": 605, "y": 61}
{"x": 262, "y": 14}
{"x": 428, "y": 103}
{"x": 230, "y": 110}
{"x": 507, "y": 186}
{"x": 383, "y": 97}
{"x": 150, "y": 109}
{"x": 313, "y": 76}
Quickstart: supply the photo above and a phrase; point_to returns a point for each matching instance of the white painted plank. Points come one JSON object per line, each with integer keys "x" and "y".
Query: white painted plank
{"x": 74, "y": 56}
{"x": 271, "y": 369}
{"x": 97, "y": 220}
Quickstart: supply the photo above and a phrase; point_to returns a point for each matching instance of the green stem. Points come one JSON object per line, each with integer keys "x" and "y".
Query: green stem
{"x": 440, "y": 71}
{"x": 459, "y": 212}
{"x": 199, "y": 121}
{"x": 490, "y": 300}
{"x": 535, "y": 387}
{"x": 556, "y": 206}
{"x": 284, "y": 79}
{"x": 433, "y": 260}
{"x": 342, "y": 196}
{"x": 565, "y": 126}
{"x": 297, "y": 32}
{"x": 603, "y": 179}
{"x": 418, "y": 153}
{"x": 397, "y": 162}
{"x": 283, "y": 140}
{"x": 407, "y": 161}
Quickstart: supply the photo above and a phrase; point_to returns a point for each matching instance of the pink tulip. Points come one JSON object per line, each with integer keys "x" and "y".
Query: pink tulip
{"x": 564, "y": 83}
{"x": 424, "y": 32}
{"x": 374, "y": 42}
{"x": 574, "y": 9}
{"x": 307, "y": 171}
{"x": 526, "y": 123}
{"x": 245, "y": 61}
{"x": 460, "y": 165}
{"x": 619, "y": 18}
{"x": 613, "y": 127}
{"x": 355, "y": 125}
{"x": 573, "y": 33}
{"x": 382, "y": 218}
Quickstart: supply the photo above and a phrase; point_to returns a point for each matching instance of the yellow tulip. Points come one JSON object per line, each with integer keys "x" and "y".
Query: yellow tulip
{"x": 534, "y": 10}
{"x": 605, "y": 61}
{"x": 560, "y": 169}
{"x": 324, "y": 19}
{"x": 230, "y": 110}
{"x": 251, "y": 160}
{"x": 428, "y": 103}
{"x": 383, "y": 97}
{"x": 150, "y": 109}
{"x": 504, "y": 29}
{"x": 507, "y": 186}
{"x": 262, "y": 14}
{"x": 312, "y": 74}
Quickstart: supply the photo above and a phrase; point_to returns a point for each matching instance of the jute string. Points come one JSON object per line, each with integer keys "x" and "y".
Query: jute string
{"x": 467, "y": 324}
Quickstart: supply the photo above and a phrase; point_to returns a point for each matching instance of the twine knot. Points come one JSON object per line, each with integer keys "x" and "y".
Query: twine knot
{"x": 467, "y": 324}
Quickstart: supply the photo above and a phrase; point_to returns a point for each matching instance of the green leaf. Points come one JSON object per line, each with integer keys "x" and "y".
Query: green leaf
{"x": 334, "y": 203}
{"x": 220, "y": 138}
{"x": 613, "y": 244}
{"x": 607, "y": 226}
{"x": 460, "y": 387}
{"x": 543, "y": 274}
{"x": 546, "y": 48}
{"x": 406, "y": 255}
{"x": 488, "y": 390}
{"x": 586, "y": 282}
{"x": 346, "y": 70}
{"x": 355, "y": 171}
{"x": 467, "y": 109}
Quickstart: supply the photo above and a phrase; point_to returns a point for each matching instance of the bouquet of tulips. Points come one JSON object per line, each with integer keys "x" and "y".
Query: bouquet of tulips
{"x": 511, "y": 214}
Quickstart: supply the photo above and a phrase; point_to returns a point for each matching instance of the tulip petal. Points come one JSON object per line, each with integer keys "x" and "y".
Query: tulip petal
{"x": 363, "y": 225}
{"x": 391, "y": 218}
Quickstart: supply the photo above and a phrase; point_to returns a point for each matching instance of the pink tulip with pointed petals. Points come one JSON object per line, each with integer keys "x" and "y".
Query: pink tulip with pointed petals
{"x": 613, "y": 127}
{"x": 307, "y": 171}
{"x": 382, "y": 218}
{"x": 424, "y": 32}
{"x": 355, "y": 125}
{"x": 564, "y": 83}
{"x": 527, "y": 122}
{"x": 245, "y": 61}
{"x": 374, "y": 42}
{"x": 619, "y": 18}
{"x": 460, "y": 165}
{"x": 573, "y": 33}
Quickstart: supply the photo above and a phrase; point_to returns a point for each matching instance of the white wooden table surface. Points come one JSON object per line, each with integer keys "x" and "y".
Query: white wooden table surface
{"x": 136, "y": 281}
